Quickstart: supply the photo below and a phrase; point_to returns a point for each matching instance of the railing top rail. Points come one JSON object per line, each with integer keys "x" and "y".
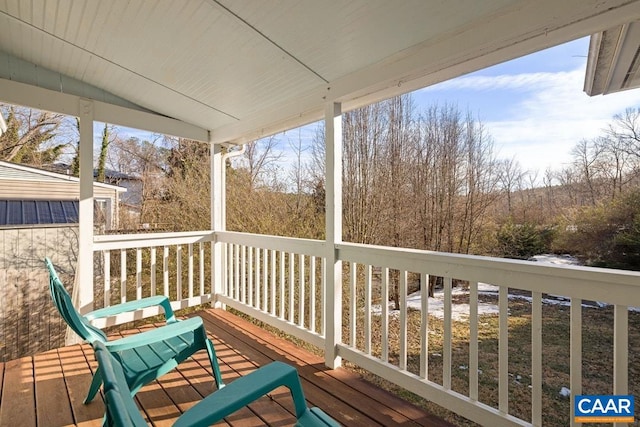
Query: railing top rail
{"x": 128, "y": 241}
{"x": 287, "y": 244}
{"x": 598, "y": 284}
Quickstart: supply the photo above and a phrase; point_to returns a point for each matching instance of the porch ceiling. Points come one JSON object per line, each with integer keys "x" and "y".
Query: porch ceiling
{"x": 242, "y": 69}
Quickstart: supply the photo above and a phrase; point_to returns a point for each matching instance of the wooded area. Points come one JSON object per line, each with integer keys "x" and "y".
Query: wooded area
{"x": 418, "y": 178}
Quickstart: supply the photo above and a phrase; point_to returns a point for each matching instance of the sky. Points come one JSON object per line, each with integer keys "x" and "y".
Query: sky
{"x": 534, "y": 107}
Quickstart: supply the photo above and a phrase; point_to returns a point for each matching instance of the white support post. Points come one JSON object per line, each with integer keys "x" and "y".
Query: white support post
{"x": 83, "y": 286}
{"x": 333, "y": 188}
{"x": 217, "y": 222}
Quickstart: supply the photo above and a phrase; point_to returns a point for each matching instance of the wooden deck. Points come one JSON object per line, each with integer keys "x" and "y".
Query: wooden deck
{"x": 47, "y": 389}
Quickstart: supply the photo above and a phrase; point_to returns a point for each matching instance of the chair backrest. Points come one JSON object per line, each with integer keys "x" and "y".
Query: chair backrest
{"x": 64, "y": 304}
{"x": 121, "y": 409}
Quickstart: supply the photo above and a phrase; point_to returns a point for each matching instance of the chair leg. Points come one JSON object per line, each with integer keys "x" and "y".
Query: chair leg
{"x": 96, "y": 382}
{"x": 214, "y": 363}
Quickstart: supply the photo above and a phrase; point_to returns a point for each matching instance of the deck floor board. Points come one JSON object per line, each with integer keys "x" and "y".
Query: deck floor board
{"x": 48, "y": 389}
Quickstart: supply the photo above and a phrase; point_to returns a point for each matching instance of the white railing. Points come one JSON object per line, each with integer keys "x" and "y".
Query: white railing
{"x": 277, "y": 280}
{"x": 174, "y": 265}
{"x": 281, "y": 281}
{"x": 620, "y": 288}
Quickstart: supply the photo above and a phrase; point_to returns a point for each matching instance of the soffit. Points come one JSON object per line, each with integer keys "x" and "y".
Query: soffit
{"x": 246, "y": 68}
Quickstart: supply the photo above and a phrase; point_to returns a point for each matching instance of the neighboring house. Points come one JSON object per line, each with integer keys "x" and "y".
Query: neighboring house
{"x": 133, "y": 184}
{"x": 34, "y": 197}
{"x": 130, "y": 200}
{"x": 38, "y": 218}
{"x": 39, "y": 213}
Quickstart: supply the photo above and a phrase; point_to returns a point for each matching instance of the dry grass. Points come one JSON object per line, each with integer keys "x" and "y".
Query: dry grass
{"x": 597, "y": 359}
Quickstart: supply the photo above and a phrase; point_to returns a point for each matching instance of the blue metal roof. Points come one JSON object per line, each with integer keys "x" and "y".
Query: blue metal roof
{"x": 38, "y": 212}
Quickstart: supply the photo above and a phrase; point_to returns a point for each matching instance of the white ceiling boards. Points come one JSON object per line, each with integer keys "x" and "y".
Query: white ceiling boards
{"x": 246, "y": 68}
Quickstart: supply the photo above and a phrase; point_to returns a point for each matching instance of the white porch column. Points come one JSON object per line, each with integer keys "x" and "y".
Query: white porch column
{"x": 217, "y": 220}
{"x": 333, "y": 204}
{"x": 83, "y": 286}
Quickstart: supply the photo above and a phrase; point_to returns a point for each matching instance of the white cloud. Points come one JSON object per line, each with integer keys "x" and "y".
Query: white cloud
{"x": 524, "y": 81}
{"x": 552, "y": 117}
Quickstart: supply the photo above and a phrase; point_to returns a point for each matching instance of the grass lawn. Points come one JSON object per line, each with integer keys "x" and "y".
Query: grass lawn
{"x": 597, "y": 364}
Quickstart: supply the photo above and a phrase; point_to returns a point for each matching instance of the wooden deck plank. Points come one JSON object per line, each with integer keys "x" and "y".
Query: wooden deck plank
{"x": 60, "y": 379}
{"x": 77, "y": 375}
{"x": 18, "y": 399}
{"x": 342, "y": 411}
{"x": 233, "y": 365}
{"x": 269, "y": 411}
{"x": 52, "y": 400}
{"x": 157, "y": 405}
{"x": 388, "y": 408}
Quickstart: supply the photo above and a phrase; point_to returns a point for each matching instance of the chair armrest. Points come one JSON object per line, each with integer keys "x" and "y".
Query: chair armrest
{"x": 160, "y": 300}
{"x": 155, "y": 335}
{"x": 242, "y": 392}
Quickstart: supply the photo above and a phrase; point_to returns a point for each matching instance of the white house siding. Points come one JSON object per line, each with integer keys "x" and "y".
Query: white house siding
{"x": 24, "y": 182}
{"x": 49, "y": 190}
{"x": 29, "y": 323}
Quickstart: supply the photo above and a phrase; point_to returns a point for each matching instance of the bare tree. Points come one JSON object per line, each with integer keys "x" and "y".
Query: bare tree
{"x": 261, "y": 158}
{"x": 616, "y": 165}
{"x": 298, "y": 173}
{"x": 393, "y": 182}
{"x": 362, "y": 169}
{"x": 626, "y": 129}
{"x": 143, "y": 165}
{"x": 510, "y": 176}
{"x": 481, "y": 181}
{"x": 585, "y": 160}
{"x": 32, "y": 137}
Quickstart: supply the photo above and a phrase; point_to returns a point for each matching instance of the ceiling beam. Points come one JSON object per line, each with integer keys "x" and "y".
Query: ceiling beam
{"x": 49, "y": 100}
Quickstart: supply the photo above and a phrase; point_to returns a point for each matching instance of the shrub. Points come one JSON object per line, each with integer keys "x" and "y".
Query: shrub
{"x": 522, "y": 241}
{"x": 607, "y": 235}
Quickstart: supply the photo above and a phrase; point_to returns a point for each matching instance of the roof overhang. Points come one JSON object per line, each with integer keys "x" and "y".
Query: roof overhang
{"x": 34, "y": 174}
{"x": 614, "y": 60}
{"x": 233, "y": 71}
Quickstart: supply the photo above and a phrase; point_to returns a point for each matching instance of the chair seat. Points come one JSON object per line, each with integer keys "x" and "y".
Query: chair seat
{"x": 146, "y": 361}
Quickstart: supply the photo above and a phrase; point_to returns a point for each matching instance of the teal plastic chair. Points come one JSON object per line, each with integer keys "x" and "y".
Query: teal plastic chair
{"x": 123, "y": 412}
{"x": 145, "y": 356}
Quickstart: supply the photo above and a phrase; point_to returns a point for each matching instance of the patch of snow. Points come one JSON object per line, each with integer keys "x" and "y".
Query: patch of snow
{"x": 555, "y": 259}
{"x": 460, "y": 312}
{"x": 436, "y": 306}
{"x": 487, "y": 288}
